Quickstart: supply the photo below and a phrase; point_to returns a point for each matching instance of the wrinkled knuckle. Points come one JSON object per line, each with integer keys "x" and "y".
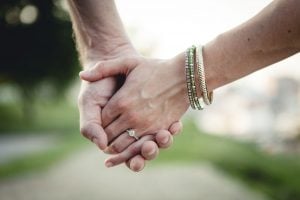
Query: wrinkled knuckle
{"x": 85, "y": 131}
{"x": 83, "y": 97}
{"x": 98, "y": 65}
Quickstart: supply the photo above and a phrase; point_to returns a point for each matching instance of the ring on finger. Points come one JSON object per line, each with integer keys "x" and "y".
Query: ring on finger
{"x": 132, "y": 133}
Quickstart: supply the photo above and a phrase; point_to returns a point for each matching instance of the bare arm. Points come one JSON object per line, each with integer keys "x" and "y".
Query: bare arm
{"x": 270, "y": 36}
{"x": 99, "y": 31}
{"x": 155, "y": 85}
{"x": 100, "y": 36}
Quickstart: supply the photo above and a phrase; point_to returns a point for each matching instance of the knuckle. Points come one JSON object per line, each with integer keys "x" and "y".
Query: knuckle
{"x": 85, "y": 131}
{"x": 99, "y": 65}
{"x": 83, "y": 97}
{"x": 98, "y": 68}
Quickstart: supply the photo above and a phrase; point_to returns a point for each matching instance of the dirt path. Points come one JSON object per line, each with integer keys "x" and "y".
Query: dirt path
{"x": 14, "y": 146}
{"x": 83, "y": 177}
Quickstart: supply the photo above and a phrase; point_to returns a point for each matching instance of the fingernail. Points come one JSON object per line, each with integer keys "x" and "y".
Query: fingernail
{"x": 135, "y": 167}
{"x": 109, "y": 164}
{"x": 165, "y": 140}
{"x": 83, "y": 73}
{"x": 152, "y": 152}
{"x": 80, "y": 73}
{"x": 109, "y": 150}
{"x": 106, "y": 150}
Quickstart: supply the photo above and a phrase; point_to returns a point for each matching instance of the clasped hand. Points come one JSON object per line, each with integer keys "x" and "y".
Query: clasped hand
{"x": 151, "y": 102}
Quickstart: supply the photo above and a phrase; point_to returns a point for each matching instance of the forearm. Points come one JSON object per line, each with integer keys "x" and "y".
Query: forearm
{"x": 98, "y": 29}
{"x": 272, "y": 35}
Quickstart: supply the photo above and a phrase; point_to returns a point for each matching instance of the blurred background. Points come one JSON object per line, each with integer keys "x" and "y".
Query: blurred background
{"x": 245, "y": 146}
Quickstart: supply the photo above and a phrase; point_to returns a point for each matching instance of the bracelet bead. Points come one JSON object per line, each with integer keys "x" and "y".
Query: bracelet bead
{"x": 194, "y": 63}
{"x": 207, "y": 96}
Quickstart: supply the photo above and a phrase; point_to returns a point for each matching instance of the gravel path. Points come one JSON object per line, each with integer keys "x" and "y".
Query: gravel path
{"x": 83, "y": 177}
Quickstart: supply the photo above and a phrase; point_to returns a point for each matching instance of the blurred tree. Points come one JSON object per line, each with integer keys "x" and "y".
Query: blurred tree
{"x": 36, "y": 46}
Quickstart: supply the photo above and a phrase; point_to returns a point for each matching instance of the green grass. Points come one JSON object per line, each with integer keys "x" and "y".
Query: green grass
{"x": 59, "y": 118}
{"x": 275, "y": 175}
{"x": 42, "y": 160}
{"x": 47, "y": 116}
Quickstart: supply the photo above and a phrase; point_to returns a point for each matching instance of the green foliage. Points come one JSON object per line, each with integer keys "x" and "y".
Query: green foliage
{"x": 69, "y": 143}
{"x": 36, "y": 51}
{"x": 275, "y": 175}
{"x": 57, "y": 116}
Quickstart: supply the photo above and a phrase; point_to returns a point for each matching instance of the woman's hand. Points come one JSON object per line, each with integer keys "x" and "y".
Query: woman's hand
{"x": 94, "y": 96}
{"x": 153, "y": 97}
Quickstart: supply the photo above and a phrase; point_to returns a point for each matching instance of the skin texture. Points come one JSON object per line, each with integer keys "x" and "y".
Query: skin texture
{"x": 100, "y": 36}
{"x": 156, "y": 111}
{"x": 154, "y": 93}
{"x": 270, "y": 36}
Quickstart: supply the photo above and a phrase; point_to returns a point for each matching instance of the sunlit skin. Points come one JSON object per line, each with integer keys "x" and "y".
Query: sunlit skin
{"x": 100, "y": 36}
{"x": 154, "y": 94}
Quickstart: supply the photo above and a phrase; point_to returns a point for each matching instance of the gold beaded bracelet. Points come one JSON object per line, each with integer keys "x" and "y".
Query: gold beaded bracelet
{"x": 207, "y": 96}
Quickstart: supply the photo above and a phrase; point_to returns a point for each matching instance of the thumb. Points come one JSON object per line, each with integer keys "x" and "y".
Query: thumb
{"x": 108, "y": 68}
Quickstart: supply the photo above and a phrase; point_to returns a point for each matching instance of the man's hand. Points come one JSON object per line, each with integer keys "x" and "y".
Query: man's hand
{"x": 92, "y": 98}
{"x": 100, "y": 35}
{"x": 149, "y": 100}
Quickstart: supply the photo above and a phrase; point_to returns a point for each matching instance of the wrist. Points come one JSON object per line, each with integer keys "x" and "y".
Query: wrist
{"x": 106, "y": 51}
{"x": 179, "y": 68}
{"x": 213, "y": 59}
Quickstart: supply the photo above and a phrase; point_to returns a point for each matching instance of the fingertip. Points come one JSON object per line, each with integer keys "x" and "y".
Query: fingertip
{"x": 176, "y": 128}
{"x": 164, "y": 139}
{"x": 109, "y": 163}
{"x": 101, "y": 144}
{"x": 149, "y": 150}
{"x": 101, "y": 140}
{"x": 109, "y": 150}
{"x": 84, "y": 75}
{"x": 137, "y": 163}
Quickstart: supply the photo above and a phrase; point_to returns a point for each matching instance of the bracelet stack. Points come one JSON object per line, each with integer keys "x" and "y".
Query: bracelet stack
{"x": 194, "y": 70}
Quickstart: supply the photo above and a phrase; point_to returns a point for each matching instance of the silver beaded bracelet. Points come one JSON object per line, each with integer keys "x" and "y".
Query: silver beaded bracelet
{"x": 193, "y": 61}
{"x": 195, "y": 102}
